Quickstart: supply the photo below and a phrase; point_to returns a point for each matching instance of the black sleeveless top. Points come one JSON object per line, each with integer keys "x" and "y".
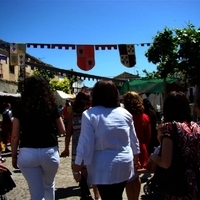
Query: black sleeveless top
{"x": 37, "y": 131}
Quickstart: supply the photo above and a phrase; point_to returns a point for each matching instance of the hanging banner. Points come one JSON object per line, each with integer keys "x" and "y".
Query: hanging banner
{"x": 127, "y": 54}
{"x": 17, "y": 54}
{"x": 13, "y": 59}
{"x": 85, "y": 57}
{"x": 21, "y": 59}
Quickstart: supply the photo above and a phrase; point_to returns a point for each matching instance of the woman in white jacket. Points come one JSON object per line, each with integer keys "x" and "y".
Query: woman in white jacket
{"x": 108, "y": 144}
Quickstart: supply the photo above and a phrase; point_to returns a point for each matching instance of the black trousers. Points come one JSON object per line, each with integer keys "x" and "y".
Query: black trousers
{"x": 113, "y": 191}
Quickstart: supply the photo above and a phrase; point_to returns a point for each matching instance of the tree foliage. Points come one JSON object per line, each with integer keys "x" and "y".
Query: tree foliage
{"x": 163, "y": 53}
{"x": 48, "y": 75}
{"x": 188, "y": 40}
{"x": 176, "y": 53}
{"x": 63, "y": 85}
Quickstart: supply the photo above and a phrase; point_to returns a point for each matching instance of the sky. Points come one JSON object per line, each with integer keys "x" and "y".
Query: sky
{"x": 93, "y": 22}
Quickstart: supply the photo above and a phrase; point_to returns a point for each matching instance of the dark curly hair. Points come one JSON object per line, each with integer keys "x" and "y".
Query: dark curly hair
{"x": 176, "y": 107}
{"x": 37, "y": 97}
{"x": 81, "y": 102}
{"x": 105, "y": 94}
{"x": 133, "y": 102}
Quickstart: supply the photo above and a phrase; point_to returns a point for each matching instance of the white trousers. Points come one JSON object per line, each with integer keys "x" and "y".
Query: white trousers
{"x": 39, "y": 167}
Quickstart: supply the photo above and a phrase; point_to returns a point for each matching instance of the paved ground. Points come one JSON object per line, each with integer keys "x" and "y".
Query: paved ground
{"x": 66, "y": 187}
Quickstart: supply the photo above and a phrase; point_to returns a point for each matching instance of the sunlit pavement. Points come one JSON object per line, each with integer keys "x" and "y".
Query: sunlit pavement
{"x": 66, "y": 187}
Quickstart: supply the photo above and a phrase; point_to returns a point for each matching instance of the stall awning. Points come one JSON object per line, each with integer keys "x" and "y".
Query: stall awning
{"x": 148, "y": 85}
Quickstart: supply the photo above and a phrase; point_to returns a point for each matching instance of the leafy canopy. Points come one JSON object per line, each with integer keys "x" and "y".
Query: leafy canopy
{"x": 176, "y": 52}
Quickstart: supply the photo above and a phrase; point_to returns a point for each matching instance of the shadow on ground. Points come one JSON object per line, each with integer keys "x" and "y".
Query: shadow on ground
{"x": 62, "y": 193}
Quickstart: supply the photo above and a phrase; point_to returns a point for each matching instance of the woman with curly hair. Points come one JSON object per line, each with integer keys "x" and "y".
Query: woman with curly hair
{"x": 134, "y": 104}
{"x": 36, "y": 125}
{"x": 81, "y": 103}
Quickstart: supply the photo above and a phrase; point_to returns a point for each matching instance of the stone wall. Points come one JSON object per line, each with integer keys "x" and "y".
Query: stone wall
{"x": 8, "y": 86}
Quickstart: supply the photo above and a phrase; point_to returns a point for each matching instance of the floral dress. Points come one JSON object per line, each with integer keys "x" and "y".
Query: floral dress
{"x": 189, "y": 143}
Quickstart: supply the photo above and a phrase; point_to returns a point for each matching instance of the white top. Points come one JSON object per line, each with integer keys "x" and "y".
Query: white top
{"x": 106, "y": 144}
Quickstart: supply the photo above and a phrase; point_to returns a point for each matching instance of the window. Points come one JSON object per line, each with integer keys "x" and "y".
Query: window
{"x": 12, "y": 69}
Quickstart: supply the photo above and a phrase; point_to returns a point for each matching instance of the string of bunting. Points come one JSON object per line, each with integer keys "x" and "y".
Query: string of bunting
{"x": 85, "y": 53}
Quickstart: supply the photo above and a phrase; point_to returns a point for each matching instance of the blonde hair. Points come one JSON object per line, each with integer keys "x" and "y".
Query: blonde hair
{"x": 133, "y": 102}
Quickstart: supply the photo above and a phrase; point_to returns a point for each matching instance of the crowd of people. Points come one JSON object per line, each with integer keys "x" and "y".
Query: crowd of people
{"x": 112, "y": 142}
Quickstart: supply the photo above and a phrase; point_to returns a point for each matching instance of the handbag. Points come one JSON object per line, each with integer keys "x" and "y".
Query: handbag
{"x": 6, "y": 182}
{"x": 171, "y": 181}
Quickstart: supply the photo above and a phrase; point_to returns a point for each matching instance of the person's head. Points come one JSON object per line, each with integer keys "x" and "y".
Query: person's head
{"x": 84, "y": 89}
{"x": 67, "y": 103}
{"x": 37, "y": 95}
{"x": 133, "y": 103}
{"x": 176, "y": 107}
{"x": 82, "y": 102}
{"x": 105, "y": 93}
{"x": 7, "y": 105}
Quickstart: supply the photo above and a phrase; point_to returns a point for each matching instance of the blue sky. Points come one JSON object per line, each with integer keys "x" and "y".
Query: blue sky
{"x": 93, "y": 22}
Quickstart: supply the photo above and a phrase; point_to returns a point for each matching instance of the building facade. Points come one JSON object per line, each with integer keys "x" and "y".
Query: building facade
{"x": 9, "y": 75}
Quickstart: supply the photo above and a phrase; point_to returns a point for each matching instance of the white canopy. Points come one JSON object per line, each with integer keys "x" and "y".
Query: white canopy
{"x": 62, "y": 96}
{"x": 10, "y": 94}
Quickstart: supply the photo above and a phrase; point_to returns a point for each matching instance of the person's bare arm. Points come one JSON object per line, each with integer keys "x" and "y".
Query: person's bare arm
{"x": 68, "y": 135}
{"x": 15, "y": 141}
{"x": 60, "y": 126}
{"x": 167, "y": 152}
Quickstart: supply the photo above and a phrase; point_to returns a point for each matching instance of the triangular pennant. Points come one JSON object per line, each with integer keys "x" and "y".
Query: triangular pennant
{"x": 127, "y": 54}
{"x": 85, "y": 57}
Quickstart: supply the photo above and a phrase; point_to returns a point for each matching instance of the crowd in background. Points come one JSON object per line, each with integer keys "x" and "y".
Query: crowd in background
{"x": 113, "y": 142}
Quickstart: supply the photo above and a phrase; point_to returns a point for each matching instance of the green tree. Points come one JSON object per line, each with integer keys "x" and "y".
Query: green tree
{"x": 188, "y": 40}
{"x": 63, "y": 85}
{"x": 163, "y": 52}
{"x": 47, "y": 74}
{"x": 176, "y": 53}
